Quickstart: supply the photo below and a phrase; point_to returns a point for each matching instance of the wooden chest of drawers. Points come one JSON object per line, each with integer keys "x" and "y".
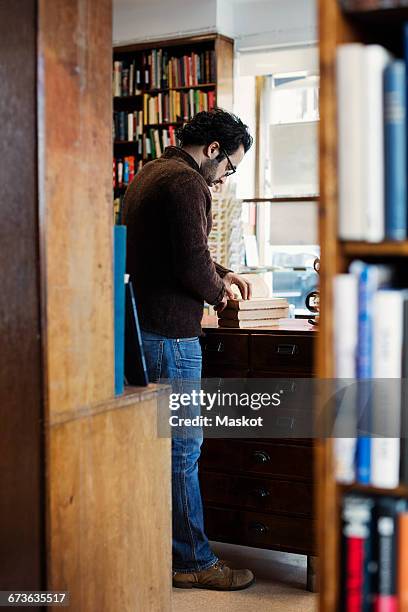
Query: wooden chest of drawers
{"x": 259, "y": 492}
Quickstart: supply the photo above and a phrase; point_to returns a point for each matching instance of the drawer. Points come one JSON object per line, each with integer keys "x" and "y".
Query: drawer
{"x": 225, "y": 350}
{"x": 224, "y": 371}
{"x": 261, "y": 530}
{"x": 278, "y": 459}
{"x": 260, "y": 494}
{"x": 281, "y": 353}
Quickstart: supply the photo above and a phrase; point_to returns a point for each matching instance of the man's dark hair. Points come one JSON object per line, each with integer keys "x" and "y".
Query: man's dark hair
{"x": 216, "y": 125}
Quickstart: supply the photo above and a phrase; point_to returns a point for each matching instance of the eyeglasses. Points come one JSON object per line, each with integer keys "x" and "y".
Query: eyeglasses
{"x": 232, "y": 168}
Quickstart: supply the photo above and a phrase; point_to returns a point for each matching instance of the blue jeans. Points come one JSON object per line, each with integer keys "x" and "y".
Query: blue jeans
{"x": 178, "y": 361}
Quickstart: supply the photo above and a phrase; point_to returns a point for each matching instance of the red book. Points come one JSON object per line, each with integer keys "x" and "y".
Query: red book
{"x": 354, "y": 574}
{"x": 403, "y": 561}
{"x": 211, "y": 100}
{"x": 131, "y": 162}
{"x": 114, "y": 173}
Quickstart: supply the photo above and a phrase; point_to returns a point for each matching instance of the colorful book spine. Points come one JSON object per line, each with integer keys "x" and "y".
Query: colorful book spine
{"x": 402, "y": 561}
{"x": 356, "y": 582}
{"x": 388, "y": 306}
{"x": 386, "y": 599}
{"x": 395, "y": 151}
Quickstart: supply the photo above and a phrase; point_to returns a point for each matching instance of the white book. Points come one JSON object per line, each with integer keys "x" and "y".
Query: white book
{"x": 130, "y": 126}
{"x": 117, "y": 78}
{"x": 386, "y": 403}
{"x": 349, "y": 73}
{"x": 375, "y": 61}
{"x": 345, "y": 301}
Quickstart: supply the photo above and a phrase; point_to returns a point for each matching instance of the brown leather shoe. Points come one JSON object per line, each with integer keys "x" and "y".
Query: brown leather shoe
{"x": 218, "y": 577}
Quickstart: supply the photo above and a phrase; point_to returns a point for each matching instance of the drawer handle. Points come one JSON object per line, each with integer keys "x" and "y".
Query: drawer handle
{"x": 218, "y": 348}
{"x": 261, "y": 457}
{"x": 261, "y": 492}
{"x": 258, "y": 528}
{"x": 287, "y": 349}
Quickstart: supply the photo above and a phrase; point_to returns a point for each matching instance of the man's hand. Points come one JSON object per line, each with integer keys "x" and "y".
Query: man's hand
{"x": 221, "y": 305}
{"x": 243, "y": 285}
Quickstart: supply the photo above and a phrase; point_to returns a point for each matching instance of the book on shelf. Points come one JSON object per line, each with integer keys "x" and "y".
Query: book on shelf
{"x": 345, "y": 291}
{"x": 127, "y": 126}
{"x": 372, "y": 136}
{"x": 176, "y": 106}
{"x": 373, "y": 555}
{"x": 395, "y": 149}
{"x": 124, "y": 170}
{"x": 376, "y": 332}
{"x": 158, "y": 70}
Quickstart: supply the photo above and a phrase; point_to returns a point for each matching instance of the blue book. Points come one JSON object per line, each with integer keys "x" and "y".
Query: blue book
{"x": 395, "y": 151}
{"x": 119, "y": 257}
{"x": 370, "y": 279}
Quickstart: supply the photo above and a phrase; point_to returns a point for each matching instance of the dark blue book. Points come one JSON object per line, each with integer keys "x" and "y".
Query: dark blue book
{"x": 122, "y": 134}
{"x": 119, "y": 258}
{"x": 395, "y": 151}
{"x": 135, "y": 360}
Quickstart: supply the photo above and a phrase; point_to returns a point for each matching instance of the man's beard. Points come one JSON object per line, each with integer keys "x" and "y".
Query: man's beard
{"x": 208, "y": 171}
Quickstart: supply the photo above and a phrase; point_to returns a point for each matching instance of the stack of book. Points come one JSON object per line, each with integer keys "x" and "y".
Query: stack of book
{"x": 374, "y": 567}
{"x": 256, "y": 312}
{"x": 371, "y": 364}
{"x": 372, "y": 129}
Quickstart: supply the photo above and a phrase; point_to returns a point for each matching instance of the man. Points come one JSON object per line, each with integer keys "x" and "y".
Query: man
{"x": 168, "y": 216}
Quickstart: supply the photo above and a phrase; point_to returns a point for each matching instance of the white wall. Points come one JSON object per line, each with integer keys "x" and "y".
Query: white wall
{"x": 268, "y": 23}
{"x": 141, "y": 20}
{"x": 253, "y": 23}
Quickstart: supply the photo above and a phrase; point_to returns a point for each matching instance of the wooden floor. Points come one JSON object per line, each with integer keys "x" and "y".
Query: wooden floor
{"x": 280, "y": 585}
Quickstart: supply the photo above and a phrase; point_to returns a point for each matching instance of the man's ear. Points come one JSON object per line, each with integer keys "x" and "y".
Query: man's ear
{"x": 212, "y": 150}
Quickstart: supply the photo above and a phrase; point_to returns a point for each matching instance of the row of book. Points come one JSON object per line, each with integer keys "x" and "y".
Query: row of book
{"x": 124, "y": 170}
{"x": 149, "y": 146}
{"x": 374, "y": 554}
{"x": 176, "y": 105}
{"x": 371, "y": 368}
{"x": 367, "y": 5}
{"x": 129, "y": 127}
{"x": 372, "y": 129}
{"x": 158, "y": 70}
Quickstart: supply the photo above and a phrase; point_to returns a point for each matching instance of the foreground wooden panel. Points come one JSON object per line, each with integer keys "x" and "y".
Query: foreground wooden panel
{"x": 75, "y": 183}
{"x": 109, "y": 531}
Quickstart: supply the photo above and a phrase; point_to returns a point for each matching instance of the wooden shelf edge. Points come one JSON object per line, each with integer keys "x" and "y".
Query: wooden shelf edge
{"x": 400, "y": 491}
{"x": 374, "y": 249}
{"x": 130, "y": 397}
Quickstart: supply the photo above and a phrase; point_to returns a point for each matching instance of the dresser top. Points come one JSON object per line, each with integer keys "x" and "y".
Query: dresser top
{"x": 286, "y": 326}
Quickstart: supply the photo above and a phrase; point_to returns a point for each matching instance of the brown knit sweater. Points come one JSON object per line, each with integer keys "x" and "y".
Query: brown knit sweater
{"x": 167, "y": 212}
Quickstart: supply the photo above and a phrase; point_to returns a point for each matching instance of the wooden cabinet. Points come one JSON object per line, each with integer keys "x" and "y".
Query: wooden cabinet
{"x": 259, "y": 492}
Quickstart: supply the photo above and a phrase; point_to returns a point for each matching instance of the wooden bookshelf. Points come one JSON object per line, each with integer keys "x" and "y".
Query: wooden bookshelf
{"x": 338, "y": 27}
{"x": 382, "y": 249}
{"x": 221, "y": 84}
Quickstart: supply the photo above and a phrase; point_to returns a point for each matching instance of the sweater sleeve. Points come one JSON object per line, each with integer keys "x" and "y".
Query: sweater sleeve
{"x": 221, "y": 271}
{"x": 187, "y": 226}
